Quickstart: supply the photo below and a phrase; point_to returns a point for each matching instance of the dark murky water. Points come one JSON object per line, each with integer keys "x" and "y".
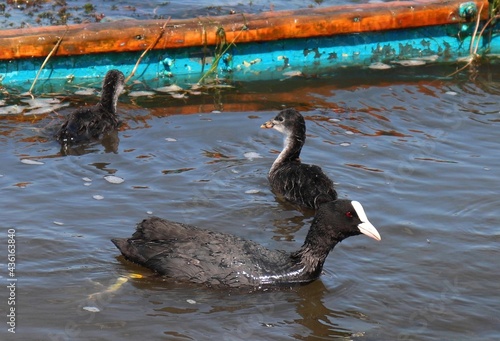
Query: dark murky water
{"x": 26, "y": 13}
{"x": 420, "y": 153}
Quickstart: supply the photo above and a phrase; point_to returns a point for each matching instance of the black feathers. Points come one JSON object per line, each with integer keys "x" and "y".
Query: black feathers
{"x": 90, "y": 123}
{"x": 187, "y": 253}
{"x": 302, "y": 184}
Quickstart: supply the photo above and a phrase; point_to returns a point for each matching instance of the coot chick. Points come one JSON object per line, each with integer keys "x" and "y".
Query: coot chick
{"x": 89, "y": 123}
{"x": 302, "y": 184}
{"x": 191, "y": 254}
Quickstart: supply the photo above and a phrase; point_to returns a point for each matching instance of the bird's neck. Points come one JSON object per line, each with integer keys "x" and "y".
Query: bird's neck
{"x": 311, "y": 259}
{"x": 109, "y": 98}
{"x": 291, "y": 150}
{"x": 313, "y": 253}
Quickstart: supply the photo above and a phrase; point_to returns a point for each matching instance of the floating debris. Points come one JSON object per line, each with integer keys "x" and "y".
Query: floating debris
{"x": 345, "y": 144}
{"x": 149, "y": 212}
{"x": 431, "y": 58}
{"x": 252, "y": 155}
{"x": 98, "y": 197}
{"x": 218, "y": 86}
{"x": 175, "y": 95}
{"x": 170, "y": 139}
{"x": 85, "y": 92}
{"x": 451, "y": 93}
{"x": 58, "y": 223}
{"x": 40, "y": 102}
{"x": 411, "y": 62}
{"x": 252, "y": 191}
{"x": 141, "y": 93}
{"x": 39, "y": 106}
{"x": 293, "y": 74}
{"x": 31, "y": 162}
{"x": 464, "y": 59}
{"x": 87, "y": 179}
{"x": 22, "y": 184}
{"x": 115, "y": 286}
{"x": 379, "y": 66}
{"x": 170, "y": 88}
{"x": 46, "y": 110}
{"x": 92, "y": 309}
{"x": 190, "y": 301}
{"x": 11, "y": 110}
{"x": 113, "y": 179}
{"x": 252, "y": 62}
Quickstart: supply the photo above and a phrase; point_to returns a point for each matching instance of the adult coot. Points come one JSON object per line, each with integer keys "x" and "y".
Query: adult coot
{"x": 188, "y": 253}
{"x": 302, "y": 184}
{"x": 90, "y": 123}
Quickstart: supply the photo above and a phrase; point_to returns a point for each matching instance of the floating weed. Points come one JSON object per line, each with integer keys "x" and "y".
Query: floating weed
{"x": 474, "y": 59}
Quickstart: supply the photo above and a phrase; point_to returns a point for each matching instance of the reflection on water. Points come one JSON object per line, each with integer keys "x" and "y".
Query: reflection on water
{"x": 109, "y": 142}
{"x": 418, "y": 152}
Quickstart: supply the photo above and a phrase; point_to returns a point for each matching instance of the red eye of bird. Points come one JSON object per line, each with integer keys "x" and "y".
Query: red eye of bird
{"x": 349, "y": 214}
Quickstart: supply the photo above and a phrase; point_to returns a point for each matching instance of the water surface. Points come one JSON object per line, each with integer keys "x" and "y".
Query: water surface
{"x": 417, "y": 149}
{"x": 29, "y": 13}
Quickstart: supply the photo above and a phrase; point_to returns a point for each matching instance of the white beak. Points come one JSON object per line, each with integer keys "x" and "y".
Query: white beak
{"x": 365, "y": 227}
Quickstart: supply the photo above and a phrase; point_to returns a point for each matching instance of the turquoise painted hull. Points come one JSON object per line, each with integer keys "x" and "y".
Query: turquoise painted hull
{"x": 272, "y": 60}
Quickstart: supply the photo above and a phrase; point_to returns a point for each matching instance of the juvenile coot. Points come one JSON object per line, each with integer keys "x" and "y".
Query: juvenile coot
{"x": 89, "y": 123}
{"x": 188, "y": 253}
{"x": 300, "y": 183}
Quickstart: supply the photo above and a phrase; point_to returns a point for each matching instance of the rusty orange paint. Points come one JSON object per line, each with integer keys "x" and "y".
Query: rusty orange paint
{"x": 134, "y": 35}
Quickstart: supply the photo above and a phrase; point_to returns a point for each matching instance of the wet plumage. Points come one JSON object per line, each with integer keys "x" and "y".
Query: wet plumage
{"x": 188, "y": 253}
{"x": 90, "y": 123}
{"x": 302, "y": 184}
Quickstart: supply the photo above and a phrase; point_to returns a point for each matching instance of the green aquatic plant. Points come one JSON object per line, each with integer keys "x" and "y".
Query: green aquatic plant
{"x": 88, "y": 8}
{"x": 221, "y": 49}
{"x": 474, "y": 58}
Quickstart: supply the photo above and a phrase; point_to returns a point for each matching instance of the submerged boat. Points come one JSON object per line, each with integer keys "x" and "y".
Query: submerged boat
{"x": 247, "y": 47}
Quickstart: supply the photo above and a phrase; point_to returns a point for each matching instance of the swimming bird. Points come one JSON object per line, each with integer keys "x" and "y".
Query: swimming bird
{"x": 90, "y": 123}
{"x": 302, "y": 184}
{"x": 187, "y": 253}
